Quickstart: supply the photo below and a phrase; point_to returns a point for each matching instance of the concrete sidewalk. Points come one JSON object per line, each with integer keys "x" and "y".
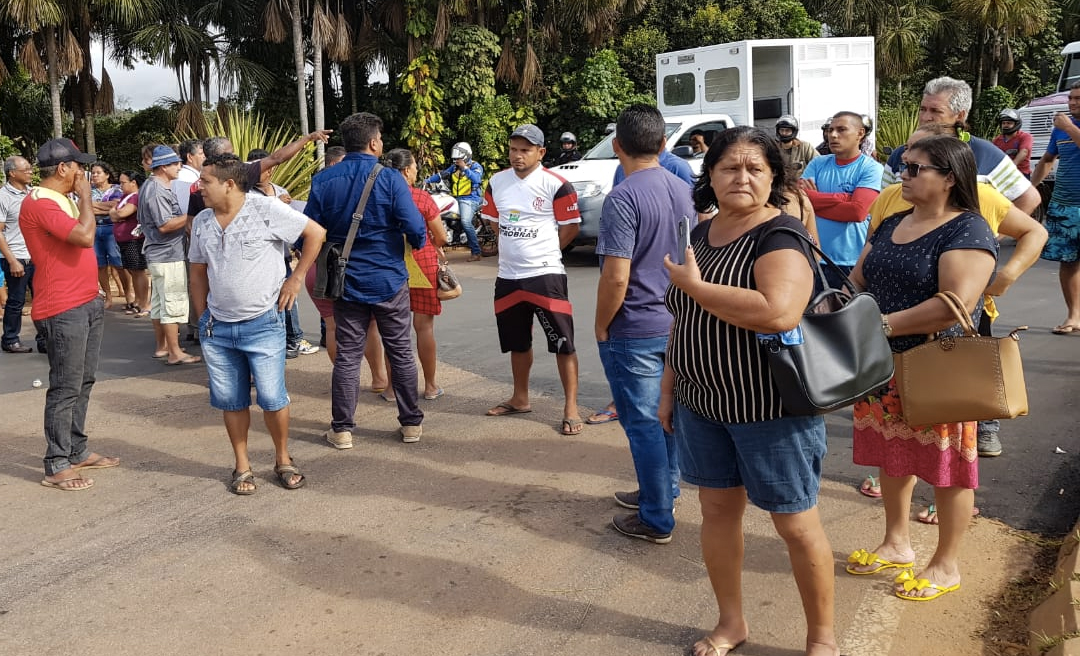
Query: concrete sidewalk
{"x": 491, "y": 536}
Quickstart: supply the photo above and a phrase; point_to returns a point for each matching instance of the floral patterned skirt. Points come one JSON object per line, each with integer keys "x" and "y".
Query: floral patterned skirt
{"x": 943, "y": 455}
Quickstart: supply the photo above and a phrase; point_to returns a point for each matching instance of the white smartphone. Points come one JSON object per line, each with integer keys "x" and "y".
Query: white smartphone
{"x": 682, "y": 240}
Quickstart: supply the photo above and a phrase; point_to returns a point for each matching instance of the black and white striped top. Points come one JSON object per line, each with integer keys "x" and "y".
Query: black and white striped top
{"x": 721, "y": 372}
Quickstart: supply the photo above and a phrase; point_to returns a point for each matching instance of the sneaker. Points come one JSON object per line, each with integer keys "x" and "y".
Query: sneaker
{"x": 342, "y": 440}
{"x": 628, "y": 499}
{"x": 411, "y": 434}
{"x": 306, "y": 348}
{"x": 631, "y": 524}
{"x": 989, "y": 445}
{"x": 291, "y": 353}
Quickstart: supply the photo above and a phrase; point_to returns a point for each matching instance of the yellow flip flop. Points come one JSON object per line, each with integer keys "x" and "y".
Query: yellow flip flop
{"x": 867, "y": 558}
{"x": 912, "y": 584}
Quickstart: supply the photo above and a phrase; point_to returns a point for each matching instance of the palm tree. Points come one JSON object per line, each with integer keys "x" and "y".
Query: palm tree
{"x": 42, "y": 17}
{"x": 273, "y": 18}
{"x": 999, "y": 21}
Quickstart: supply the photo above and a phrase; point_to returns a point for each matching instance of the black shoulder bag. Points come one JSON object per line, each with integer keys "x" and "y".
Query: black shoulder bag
{"x": 837, "y": 354}
{"x": 334, "y": 257}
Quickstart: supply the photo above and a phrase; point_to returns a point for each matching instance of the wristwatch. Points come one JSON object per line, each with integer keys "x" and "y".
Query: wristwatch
{"x": 885, "y": 327}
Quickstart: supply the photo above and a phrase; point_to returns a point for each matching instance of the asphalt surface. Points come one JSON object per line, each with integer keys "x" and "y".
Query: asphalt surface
{"x": 1030, "y": 486}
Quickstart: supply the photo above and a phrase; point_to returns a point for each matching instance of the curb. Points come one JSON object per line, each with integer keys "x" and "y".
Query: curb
{"x": 1054, "y": 625}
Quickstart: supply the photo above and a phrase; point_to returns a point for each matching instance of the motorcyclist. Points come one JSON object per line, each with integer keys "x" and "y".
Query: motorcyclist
{"x": 568, "y": 150}
{"x": 796, "y": 153}
{"x": 464, "y": 177}
{"x": 1013, "y": 141}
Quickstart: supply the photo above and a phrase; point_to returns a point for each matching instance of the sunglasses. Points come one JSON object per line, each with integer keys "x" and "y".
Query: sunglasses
{"x": 912, "y": 168}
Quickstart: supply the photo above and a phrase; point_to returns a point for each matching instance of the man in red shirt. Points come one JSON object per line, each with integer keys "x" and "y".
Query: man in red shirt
{"x": 1013, "y": 141}
{"x": 68, "y": 309}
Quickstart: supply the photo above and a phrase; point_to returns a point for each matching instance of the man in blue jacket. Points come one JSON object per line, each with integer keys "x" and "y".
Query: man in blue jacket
{"x": 464, "y": 177}
{"x": 376, "y": 281}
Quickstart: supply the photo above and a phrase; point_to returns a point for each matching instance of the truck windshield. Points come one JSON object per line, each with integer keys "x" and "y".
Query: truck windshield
{"x": 1071, "y": 72}
{"x": 603, "y": 150}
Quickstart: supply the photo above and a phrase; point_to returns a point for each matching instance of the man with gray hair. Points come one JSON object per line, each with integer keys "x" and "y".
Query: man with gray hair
{"x": 947, "y": 101}
{"x": 15, "y": 260}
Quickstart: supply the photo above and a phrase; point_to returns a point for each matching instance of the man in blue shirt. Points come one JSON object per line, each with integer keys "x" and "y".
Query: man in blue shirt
{"x": 1063, "y": 211}
{"x": 639, "y": 227}
{"x": 376, "y": 281}
{"x": 464, "y": 176}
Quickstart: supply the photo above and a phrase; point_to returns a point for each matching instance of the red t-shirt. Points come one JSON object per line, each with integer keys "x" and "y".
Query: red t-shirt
{"x": 1011, "y": 145}
{"x": 65, "y": 275}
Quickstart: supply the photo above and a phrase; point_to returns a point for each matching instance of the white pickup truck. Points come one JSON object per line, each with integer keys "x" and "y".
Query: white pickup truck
{"x": 750, "y": 82}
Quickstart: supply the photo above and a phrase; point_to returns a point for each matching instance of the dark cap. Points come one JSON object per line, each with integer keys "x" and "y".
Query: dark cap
{"x": 530, "y": 133}
{"x": 58, "y": 151}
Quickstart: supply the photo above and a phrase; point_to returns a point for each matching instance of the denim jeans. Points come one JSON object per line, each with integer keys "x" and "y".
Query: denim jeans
{"x": 237, "y": 351}
{"x": 17, "y": 286}
{"x": 73, "y": 340}
{"x": 394, "y": 319}
{"x": 467, "y": 210}
{"x": 634, "y": 368}
{"x": 293, "y": 332}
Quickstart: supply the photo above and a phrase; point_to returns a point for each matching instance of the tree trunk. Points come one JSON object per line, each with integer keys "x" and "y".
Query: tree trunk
{"x": 995, "y": 61}
{"x": 298, "y": 63}
{"x": 352, "y": 86}
{"x": 86, "y": 91}
{"x": 317, "y": 81}
{"x": 54, "y": 81}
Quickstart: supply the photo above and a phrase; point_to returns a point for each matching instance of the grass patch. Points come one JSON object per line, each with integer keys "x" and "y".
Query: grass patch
{"x": 1006, "y": 634}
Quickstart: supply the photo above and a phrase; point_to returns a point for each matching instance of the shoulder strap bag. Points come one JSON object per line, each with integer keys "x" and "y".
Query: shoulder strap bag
{"x": 967, "y": 378}
{"x": 334, "y": 257}
{"x": 837, "y": 354}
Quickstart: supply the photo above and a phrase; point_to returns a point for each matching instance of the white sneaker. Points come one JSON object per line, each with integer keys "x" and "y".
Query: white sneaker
{"x": 342, "y": 440}
{"x": 411, "y": 434}
{"x": 307, "y": 348}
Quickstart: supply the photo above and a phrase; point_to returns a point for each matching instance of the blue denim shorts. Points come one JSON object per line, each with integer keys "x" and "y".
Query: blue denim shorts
{"x": 236, "y": 352}
{"x": 778, "y": 461}
{"x": 1063, "y": 227}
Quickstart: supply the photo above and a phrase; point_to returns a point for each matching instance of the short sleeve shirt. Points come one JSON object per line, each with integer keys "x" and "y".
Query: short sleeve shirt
{"x": 992, "y": 165}
{"x": 245, "y": 261}
{"x": 1067, "y": 188}
{"x": 529, "y": 212}
{"x": 640, "y": 223}
{"x": 157, "y": 206}
{"x": 66, "y": 274}
{"x": 11, "y": 200}
{"x": 1020, "y": 140}
{"x": 843, "y": 241}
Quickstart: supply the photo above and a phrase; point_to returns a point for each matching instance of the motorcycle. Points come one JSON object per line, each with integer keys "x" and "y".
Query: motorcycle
{"x": 455, "y": 233}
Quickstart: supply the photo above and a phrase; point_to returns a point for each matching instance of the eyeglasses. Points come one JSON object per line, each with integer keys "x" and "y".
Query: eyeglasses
{"x": 913, "y": 168}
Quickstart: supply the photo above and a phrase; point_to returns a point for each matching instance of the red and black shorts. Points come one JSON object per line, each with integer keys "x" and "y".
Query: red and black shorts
{"x": 516, "y": 301}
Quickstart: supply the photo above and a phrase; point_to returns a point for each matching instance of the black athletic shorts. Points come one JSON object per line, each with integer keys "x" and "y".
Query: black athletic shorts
{"x": 516, "y": 301}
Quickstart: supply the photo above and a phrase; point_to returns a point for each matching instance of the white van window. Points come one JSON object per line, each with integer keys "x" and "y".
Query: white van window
{"x": 679, "y": 89}
{"x": 721, "y": 84}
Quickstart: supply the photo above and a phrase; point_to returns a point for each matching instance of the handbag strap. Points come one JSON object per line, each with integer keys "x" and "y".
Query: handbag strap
{"x": 953, "y": 302}
{"x": 358, "y": 214}
{"x": 822, "y": 257}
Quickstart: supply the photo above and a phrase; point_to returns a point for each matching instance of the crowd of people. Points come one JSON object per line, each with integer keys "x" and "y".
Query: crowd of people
{"x": 677, "y": 330}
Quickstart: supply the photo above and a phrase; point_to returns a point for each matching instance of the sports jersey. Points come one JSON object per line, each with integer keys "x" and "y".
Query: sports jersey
{"x": 529, "y": 212}
{"x": 842, "y": 240}
{"x": 993, "y": 166}
{"x": 1067, "y": 186}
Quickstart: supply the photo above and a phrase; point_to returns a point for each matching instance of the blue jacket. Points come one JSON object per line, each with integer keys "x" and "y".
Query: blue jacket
{"x": 464, "y": 183}
{"x": 376, "y": 270}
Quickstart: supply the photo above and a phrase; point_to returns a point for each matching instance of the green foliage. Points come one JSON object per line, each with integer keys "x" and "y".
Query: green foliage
{"x": 894, "y": 125}
{"x": 987, "y": 106}
{"x": 248, "y": 131}
{"x": 25, "y": 116}
{"x": 469, "y": 64}
{"x": 690, "y": 23}
{"x": 7, "y": 148}
{"x": 423, "y": 129}
{"x": 637, "y": 52}
{"x": 487, "y": 127}
{"x": 121, "y": 136}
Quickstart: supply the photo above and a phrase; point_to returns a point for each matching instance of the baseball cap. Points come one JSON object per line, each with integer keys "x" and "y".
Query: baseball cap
{"x": 530, "y": 133}
{"x": 58, "y": 151}
{"x": 163, "y": 156}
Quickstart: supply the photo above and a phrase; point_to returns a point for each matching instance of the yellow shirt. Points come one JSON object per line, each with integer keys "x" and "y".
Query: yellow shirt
{"x": 993, "y": 207}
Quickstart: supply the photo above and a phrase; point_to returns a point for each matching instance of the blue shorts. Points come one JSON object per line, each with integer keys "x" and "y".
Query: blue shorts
{"x": 1063, "y": 226}
{"x": 777, "y": 461}
{"x": 106, "y": 248}
{"x": 236, "y": 352}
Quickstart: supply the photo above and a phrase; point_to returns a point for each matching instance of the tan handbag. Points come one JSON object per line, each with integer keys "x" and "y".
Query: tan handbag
{"x": 969, "y": 378}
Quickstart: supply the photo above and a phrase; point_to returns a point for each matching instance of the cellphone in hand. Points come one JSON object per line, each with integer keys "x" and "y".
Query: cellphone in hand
{"x": 682, "y": 241}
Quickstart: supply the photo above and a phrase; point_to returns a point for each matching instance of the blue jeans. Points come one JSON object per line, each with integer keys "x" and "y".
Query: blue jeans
{"x": 105, "y": 247}
{"x": 467, "y": 210}
{"x": 237, "y": 351}
{"x": 73, "y": 341}
{"x": 293, "y": 332}
{"x": 634, "y": 368}
{"x": 17, "y": 286}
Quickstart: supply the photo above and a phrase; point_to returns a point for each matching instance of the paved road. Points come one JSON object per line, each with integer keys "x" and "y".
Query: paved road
{"x": 1029, "y": 487}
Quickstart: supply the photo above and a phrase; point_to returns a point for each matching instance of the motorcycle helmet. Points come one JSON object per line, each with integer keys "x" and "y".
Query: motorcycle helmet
{"x": 790, "y": 122}
{"x": 461, "y": 150}
{"x": 568, "y": 137}
{"x": 1010, "y": 115}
